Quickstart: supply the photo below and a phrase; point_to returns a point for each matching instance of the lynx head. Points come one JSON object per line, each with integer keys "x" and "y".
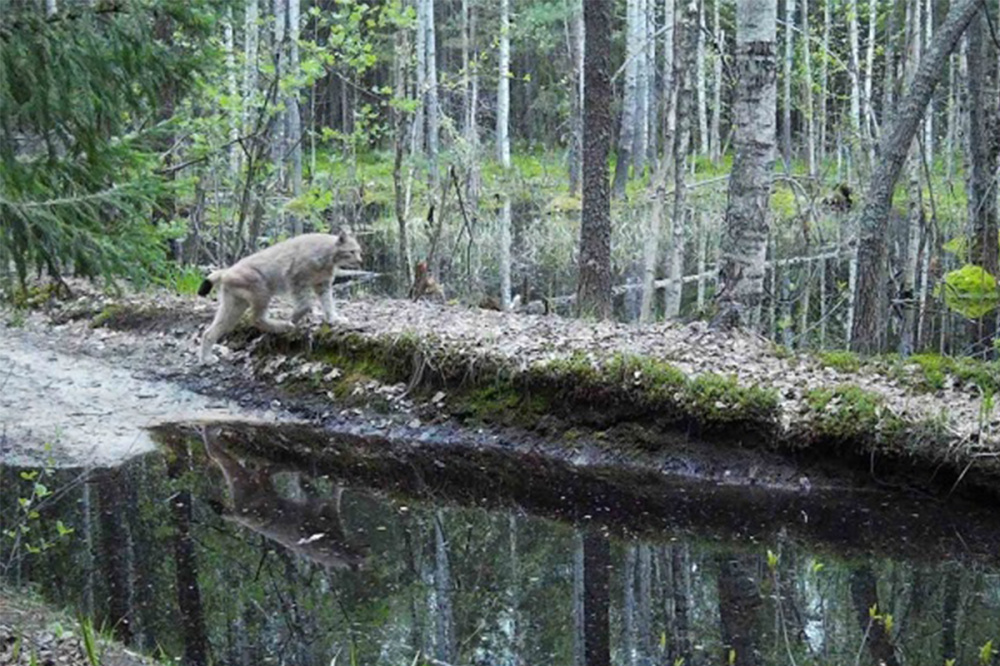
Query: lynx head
{"x": 348, "y": 250}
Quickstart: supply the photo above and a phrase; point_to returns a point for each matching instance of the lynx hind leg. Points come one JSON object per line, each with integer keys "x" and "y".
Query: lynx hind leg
{"x": 330, "y": 314}
{"x": 261, "y": 321}
{"x": 303, "y": 305}
{"x": 231, "y": 308}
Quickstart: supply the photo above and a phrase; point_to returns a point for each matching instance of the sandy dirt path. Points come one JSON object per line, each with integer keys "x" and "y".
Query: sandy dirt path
{"x": 89, "y": 412}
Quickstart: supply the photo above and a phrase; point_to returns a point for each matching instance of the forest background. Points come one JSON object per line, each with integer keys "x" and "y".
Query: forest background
{"x": 145, "y": 140}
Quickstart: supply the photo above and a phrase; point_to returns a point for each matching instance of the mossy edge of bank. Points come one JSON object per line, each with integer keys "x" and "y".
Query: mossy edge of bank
{"x": 626, "y": 400}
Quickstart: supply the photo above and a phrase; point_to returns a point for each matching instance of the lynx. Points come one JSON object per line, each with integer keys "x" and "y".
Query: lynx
{"x": 304, "y": 265}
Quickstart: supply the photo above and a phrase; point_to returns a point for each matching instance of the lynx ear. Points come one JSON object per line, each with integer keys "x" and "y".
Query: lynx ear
{"x": 345, "y": 234}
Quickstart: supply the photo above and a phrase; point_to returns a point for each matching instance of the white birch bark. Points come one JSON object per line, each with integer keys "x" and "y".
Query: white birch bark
{"x": 433, "y": 105}
{"x": 575, "y": 40}
{"x": 786, "y": 104}
{"x": 684, "y": 66}
{"x": 641, "y": 136}
{"x": 281, "y": 66}
{"x": 854, "y": 65}
{"x": 714, "y": 137}
{"x": 824, "y": 78}
{"x": 503, "y": 151}
{"x": 807, "y": 92}
{"x": 652, "y": 96}
{"x": 470, "y": 88}
{"x": 420, "y": 117}
{"x": 822, "y": 304}
{"x": 233, "y": 90}
{"x": 250, "y": 40}
{"x": 702, "y": 249}
{"x": 867, "y": 115}
{"x": 951, "y": 120}
{"x": 626, "y": 133}
{"x": 292, "y": 104}
{"x": 51, "y": 8}
{"x": 744, "y": 240}
{"x": 669, "y": 90}
{"x": 702, "y": 101}
{"x": 929, "y": 118}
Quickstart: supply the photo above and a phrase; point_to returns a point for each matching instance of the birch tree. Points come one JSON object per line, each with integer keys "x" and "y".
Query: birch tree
{"x": 294, "y": 139}
{"x": 746, "y": 223}
{"x": 874, "y": 216}
{"x": 626, "y": 132}
{"x": 594, "y": 284}
{"x": 575, "y": 42}
{"x": 662, "y": 176}
{"x": 684, "y": 65}
{"x": 503, "y": 149}
{"x": 786, "y": 104}
{"x": 699, "y": 81}
{"x": 981, "y": 180}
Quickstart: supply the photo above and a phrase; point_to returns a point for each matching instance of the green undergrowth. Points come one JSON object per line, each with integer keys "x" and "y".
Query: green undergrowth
{"x": 923, "y": 372}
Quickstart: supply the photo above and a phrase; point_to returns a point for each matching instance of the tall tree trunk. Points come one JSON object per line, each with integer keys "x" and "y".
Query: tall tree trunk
{"x": 867, "y": 115}
{"x": 684, "y": 65}
{"x": 744, "y": 238}
{"x": 699, "y": 81}
{"x": 251, "y": 32}
{"x": 626, "y": 132}
{"x": 786, "y": 76}
{"x": 642, "y": 71}
{"x": 278, "y": 142}
{"x": 929, "y": 118}
{"x": 400, "y": 130}
{"x": 715, "y": 138}
{"x": 471, "y": 128}
{"x": 503, "y": 152}
{"x": 575, "y": 39}
{"x": 652, "y": 96}
{"x": 294, "y": 116}
{"x": 433, "y": 105}
{"x": 233, "y": 90}
{"x": 854, "y": 121}
{"x": 981, "y": 181}
{"x": 594, "y": 285}
{"x": 874, "y": 216}
{"x": 824, "y": 78}
{"x": 807, "y": 93}
{"x": 663, "y": 170}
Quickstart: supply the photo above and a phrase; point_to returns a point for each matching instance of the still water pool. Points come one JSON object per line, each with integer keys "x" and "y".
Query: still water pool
{"x": 208, "y": 554}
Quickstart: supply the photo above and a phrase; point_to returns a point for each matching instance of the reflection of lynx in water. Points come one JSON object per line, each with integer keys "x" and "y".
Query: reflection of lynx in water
{"x": 304, "y": 265}
{"x": 311, "y": 527}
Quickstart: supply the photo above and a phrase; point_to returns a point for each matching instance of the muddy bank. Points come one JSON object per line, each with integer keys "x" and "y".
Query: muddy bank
{"x": 622, "y": 497}
{"x": 661, "y": 389}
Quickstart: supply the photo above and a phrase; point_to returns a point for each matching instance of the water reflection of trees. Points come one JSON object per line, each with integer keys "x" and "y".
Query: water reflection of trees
{"x": 465, "y": 585}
